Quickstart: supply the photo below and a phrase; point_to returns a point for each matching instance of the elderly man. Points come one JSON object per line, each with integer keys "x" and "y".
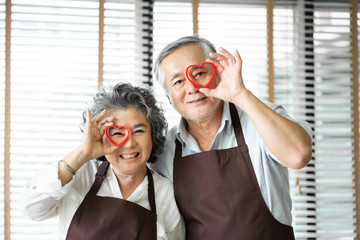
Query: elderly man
{"x": 229, "y": 155}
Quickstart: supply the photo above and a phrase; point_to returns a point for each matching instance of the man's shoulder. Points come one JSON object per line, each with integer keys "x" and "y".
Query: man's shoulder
{"x": 171, "y": 135}
{"x": 173, "y": 130}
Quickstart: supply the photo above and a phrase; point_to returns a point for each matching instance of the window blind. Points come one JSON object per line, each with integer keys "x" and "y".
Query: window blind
{"x": 2, "y": 111}
{"x": 312, "y": 80}
{"x": 54, "y": 59}
{"x": 292, "y": 73}
{"x": 127, "y": 42}
{"x": 167, "y": 28}
{"x": 54, "y": 62}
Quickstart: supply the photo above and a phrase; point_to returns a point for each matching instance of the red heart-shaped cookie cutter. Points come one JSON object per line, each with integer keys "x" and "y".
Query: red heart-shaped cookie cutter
{"x": 205, "y": 80}
{"x": 117, "y": 141}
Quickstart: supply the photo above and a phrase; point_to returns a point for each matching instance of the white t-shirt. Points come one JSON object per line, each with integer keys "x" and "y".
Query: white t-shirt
{"x": 272, "y": 176}
{"x": 44, "y": 197}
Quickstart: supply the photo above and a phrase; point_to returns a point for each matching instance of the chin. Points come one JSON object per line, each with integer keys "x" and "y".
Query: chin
{"x": 198, "y": 115}
{"x": 202, "y": 113}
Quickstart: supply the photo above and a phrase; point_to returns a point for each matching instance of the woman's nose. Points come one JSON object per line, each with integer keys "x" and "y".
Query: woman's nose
{"x": 130, "y": 141}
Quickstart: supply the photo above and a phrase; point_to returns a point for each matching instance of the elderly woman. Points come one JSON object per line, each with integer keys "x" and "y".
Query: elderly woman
{"x": 103, "y": 188}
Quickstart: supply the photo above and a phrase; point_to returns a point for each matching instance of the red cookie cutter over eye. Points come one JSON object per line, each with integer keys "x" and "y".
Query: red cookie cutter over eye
{"x": 201, "y": 76}
{"x": 120, "y": 135}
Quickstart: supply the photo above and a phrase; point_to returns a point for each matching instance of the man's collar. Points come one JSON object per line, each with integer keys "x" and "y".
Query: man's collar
{"x": 182, "y": 132}
{"x": 226, "y": 118}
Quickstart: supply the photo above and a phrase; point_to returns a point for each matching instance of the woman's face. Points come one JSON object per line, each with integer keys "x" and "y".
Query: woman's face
{"x": 131, "y": 156}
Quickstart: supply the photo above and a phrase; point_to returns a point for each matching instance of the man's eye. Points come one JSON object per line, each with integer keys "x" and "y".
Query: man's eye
{"x": 139, "y": 131}
{"x": 118, "y": 134}
{"x": 200, "y": 74}
{"x": 177, "y": 82}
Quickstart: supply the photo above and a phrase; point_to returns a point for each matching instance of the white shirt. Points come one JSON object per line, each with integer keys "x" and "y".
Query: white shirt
{"x": 44, "y": 197}
{"x": 272, "y": 176}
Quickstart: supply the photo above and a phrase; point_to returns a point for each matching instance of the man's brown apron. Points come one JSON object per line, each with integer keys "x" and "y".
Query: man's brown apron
{"x": 219, "y": 197}
{"x": 113, "y": 218}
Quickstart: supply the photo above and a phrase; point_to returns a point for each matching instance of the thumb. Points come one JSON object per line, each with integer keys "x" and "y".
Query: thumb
{"x": 109, "y": 150}
{"x": 208, "y": 92}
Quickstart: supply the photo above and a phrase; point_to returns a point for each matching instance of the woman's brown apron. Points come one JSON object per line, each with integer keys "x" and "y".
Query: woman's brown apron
{"x": 219, "y": 197}
{"x": 113, "y": 218}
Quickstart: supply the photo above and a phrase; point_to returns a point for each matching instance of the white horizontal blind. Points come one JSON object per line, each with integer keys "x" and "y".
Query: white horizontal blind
{"x": 335, "y": 210}
{"x": 292, "y": 75}
{"x": 125, "y": 41}
{"x": 171, "y": 21}
{"x": 119, "y": 37}
{"x": 315, "y": 85}
{"x": 54, "y": 63}
{"x": 54, "y": 59}
{"x": 240, "y": 25}
{"x": 2, "y": 112}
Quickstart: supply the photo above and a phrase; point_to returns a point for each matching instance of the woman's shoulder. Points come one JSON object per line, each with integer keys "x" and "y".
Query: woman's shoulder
{"x": 85, "y": 176}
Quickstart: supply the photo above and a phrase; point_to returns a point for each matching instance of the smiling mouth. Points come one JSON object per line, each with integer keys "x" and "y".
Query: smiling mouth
{"x": 197, "y": 100}
{"x": 129, "y": 156}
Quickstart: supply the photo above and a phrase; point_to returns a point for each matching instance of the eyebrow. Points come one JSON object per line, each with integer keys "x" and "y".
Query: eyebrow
{"x": 140, "y": 125}
{"x": 174, "y": 76}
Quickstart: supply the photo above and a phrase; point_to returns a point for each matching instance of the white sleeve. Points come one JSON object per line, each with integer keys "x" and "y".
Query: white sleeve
{"x": 42, "y": 194}
{"x": 178, "y": 233}
{"x": 280, "y": 110}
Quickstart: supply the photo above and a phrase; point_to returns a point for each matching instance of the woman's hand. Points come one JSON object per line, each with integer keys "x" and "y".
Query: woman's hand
{"x": 91, "y": 145}
{"x": 231, "y": 83}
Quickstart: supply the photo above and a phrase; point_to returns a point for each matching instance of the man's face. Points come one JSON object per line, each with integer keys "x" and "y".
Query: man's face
{"x": 184, "y": 96}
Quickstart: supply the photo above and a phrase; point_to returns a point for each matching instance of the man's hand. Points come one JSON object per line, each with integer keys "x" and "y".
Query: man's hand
{"x": 231, "y": 83}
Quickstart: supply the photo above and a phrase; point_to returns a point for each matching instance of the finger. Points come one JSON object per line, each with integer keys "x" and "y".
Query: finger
{"x": 208, "y": 92}
{"x": 102, "y": 128}
{"x": 103, "y": 121}
{"x": 219, "y": 67}
{"x": 109, "y": 150}
{"x": 223, "y": 59}
{"x": 227, "y": 54}
{"x": 88, "y": 118}
{"x": 98, "y": 117}
{"x": 237, "y": 57}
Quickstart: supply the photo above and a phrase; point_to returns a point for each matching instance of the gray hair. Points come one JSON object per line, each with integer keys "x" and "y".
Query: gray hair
{"x": 206, "y": 45}
{"x": 123, "y": 96}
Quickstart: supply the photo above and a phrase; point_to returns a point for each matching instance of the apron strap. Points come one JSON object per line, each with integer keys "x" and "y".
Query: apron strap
{"x": 99, "y": 177}
{"x": 101, "y": 174}
{"x": 237, "y": 129}
{"x": 178, "y": 148}
{"x": 151, "y": 192}
{"x": 237, "y": 125}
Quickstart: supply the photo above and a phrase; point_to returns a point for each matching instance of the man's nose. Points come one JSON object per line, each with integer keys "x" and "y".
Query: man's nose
{"x": 190, "y": 88}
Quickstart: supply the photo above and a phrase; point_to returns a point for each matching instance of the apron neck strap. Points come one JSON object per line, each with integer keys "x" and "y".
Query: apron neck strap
{"x": 99, "y": 177}
{"x": 101, "y": 174}
{"x": 151, "y": 192}
{"x": 178, "y": 148}
{"x": 237, "y": 125}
